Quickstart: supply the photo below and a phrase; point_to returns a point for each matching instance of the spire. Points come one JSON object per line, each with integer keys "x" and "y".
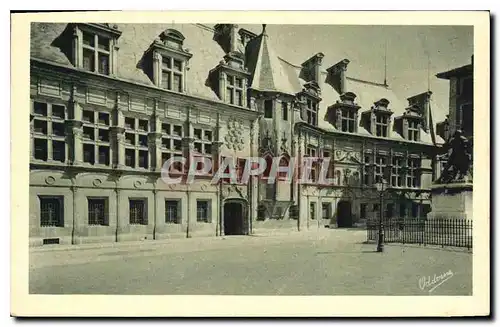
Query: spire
{"x": 385, "y": 64}
{"x": 264, "y": 29}
{"x": 428, "y": 72}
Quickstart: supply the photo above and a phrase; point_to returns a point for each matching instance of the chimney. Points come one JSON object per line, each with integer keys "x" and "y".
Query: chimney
{"x": 226, "y": 36}
{"x": 312, "y": 68}
{"x": 246, "y": 36}
{"x": 337, "y": 77}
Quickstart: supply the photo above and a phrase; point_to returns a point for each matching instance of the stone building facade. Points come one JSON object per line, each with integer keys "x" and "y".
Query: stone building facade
{"x": 111, "y": 103}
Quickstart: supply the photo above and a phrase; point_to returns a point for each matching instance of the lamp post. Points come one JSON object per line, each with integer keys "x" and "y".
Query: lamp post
{"x": 381, "y": 188}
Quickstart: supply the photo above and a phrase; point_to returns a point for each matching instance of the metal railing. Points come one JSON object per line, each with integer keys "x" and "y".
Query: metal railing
{"x": 445, "y": 232}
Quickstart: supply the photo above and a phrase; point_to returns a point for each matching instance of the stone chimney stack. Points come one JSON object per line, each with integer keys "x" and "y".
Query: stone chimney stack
{"x": 227, "y": 37}
{"x": 312, "y": 68}
{"x": 337, "y": 76}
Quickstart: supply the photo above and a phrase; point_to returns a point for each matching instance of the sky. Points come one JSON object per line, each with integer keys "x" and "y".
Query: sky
{"x": 412, "y": 52}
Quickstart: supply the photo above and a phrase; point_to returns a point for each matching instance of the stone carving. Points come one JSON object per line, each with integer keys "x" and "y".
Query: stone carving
{"x": 137, "y": 184}
{"x": 266, "y": 143}
{"x": 458, "y": 167}
{"x": 284, "y": 145}
{"x": 234, "y": 137}
{"x": 50, "y": 180}
{"x": 350, "y": 156}
{"x": 97, "y": 182}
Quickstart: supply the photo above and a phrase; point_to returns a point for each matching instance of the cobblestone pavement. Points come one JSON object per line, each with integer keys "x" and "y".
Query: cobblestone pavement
{"x": 329, "y": 262}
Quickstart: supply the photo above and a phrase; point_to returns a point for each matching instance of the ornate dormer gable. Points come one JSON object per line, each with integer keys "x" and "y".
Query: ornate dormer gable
{"x": 422, "y": 100}
{"x": 93, "y": 46}
{"x": 443, "y": 128}
{"x": 344, "y": 113}
{"x": 337, "y": 76}
{"x": 227, "y": 37}
{"x": 310, "y": 98}
{"x": 377, "y": 120}
{"x": 410, "y": 123}
{"x": 168, "y": 61}
{"x": 229, "y": 79}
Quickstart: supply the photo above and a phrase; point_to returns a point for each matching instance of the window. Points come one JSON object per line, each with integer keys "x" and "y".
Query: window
{"x": 172, "y": 74}
{"x": 311, "y": 152}
{"x": 397, "y": 176}
{"x": 137, "y": 212}
{"x": 203, "y": 143}
{"x": 381, "y": 125}
{"x": 269, "y": 191}
{"x": 96, "y": 53}
{"x": 96, "y": 141}
{"x": 202, "y": 211}
{"x": 367, "y": 170}
{"x": 331, "y": 166}
{"x": 389, "y": 210}
{"x": 362, "y": 211}
{"x": 171, "y": 145}
{"x": 348, "y": 119}
{"x": 312, "y": 112}
{"x": 172, "y": 211}
{"x": 48, "y": 132}
{"x": 284, "y": 111}
{"x": 268, "y": 109}
{"x": 312, "y": 210}
{"x": 380, "y": 166}
{"x": 413, "y": 130}
{"x": 466, "y": 88}
{"x": 136, "y": 143}
{"x": 402, "y": 210}
{"x": 97, "y": 211}
{"x": 325, "y": 210}
{"x": 414, "y": 210}
{"x": 376, "y": 209}
{"x": 234, "y": 90}
{"x": 51, "y": 211}
{"x": 412, "y": 177}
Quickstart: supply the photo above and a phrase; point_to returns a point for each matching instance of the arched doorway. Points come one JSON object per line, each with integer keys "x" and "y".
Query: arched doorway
{"x": 235, "y": 217}
{"x": 344, "y": 214}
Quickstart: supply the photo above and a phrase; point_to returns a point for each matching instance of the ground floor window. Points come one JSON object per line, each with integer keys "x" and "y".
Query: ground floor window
{"x": 172, "y": 211}
{"x": 97, "y": 211}
{"x": 325, "y": 208}
{"x": 390, "y": 210}
{"x": 202, "y": 211}
{"x": 312, "y": 210}
{"x": 137, "y": 212}
{"x": 362, "y": 211}
{"x": 51, "y": 211}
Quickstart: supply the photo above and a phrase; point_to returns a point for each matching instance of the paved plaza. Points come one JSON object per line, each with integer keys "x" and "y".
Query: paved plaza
{"x": 326, "y": 262}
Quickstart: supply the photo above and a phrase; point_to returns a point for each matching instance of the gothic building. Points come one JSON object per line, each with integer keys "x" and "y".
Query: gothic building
{"x": 111, "y": 103}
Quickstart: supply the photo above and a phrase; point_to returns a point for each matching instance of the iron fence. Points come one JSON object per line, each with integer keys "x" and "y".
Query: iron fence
{"x": 444, "y": 232}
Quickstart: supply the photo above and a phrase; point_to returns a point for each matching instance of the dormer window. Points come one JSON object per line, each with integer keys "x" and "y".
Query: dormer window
{"x": 170, "y": 61}
{"x": 413, "y": 130}
{"x": 410, "y": 123}
{"x": 284, "y": 111}
{"x": 344, "y": 114}
{"x": 348, "y": 120}
{"x": 172, "y": 74}
{"x": 312, "y": 112}
{"x": 377, "y": 120}
{"x": 234, "y": 90}
{"x": 94, "y": 47}
{"x": 381, "y": 125}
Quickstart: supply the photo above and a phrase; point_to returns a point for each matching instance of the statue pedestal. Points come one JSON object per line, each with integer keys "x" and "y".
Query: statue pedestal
{"x": 451, "y": 201}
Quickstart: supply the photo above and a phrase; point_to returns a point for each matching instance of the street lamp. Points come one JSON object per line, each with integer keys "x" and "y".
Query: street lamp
{"x": 381, "y": 188}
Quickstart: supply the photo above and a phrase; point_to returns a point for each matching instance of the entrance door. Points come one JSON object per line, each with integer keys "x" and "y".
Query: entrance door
{"x": 344, "y": 214}
{"x": 235, "y": 222}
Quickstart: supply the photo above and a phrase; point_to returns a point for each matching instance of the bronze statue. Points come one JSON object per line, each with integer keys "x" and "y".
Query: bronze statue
{"x": 459, "y": 164}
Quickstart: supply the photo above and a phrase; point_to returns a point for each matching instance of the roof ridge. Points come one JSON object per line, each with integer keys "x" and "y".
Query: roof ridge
{"x": 368, "y": 82}
{"x": 205, "y": 27}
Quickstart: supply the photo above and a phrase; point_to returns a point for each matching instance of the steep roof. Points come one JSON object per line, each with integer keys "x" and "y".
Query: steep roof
{"x": 268, "y": 71}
